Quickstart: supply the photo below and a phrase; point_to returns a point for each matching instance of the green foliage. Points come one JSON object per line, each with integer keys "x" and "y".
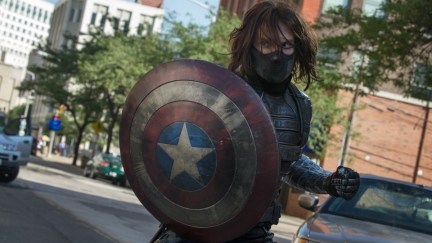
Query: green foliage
{"x": 16, "y": 112}
{"x": 393, "y": 40}
{"x": 105, "y": 67}
{"x": 217, "y": 45}
{"x": 93, "y": 77}
{"x": 60, "y": 80}
{"x": 199, "y": 42}
{"x": 323, "y": 95}
{"x": 68, "y": 127}
{"x": 387, "y": 46}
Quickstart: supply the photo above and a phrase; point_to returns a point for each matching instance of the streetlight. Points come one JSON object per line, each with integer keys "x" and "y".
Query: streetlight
{"x": 207, "y": 7}
{"x": 23, "y": 122}
{"x": 32, "y": 77}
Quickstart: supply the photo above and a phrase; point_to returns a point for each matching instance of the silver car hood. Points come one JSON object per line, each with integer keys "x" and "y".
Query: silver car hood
{"x": 331, "y": 228}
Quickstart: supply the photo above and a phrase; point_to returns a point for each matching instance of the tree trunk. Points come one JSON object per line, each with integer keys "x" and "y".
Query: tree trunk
{"x": 114, "y": 118}
{"x": 77, "y": 145}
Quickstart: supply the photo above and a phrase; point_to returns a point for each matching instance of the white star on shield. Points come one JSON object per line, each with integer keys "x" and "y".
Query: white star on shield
{"x": 184, "y": 156}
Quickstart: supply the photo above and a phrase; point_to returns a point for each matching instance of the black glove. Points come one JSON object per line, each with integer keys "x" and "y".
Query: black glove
{"x": 342, "y": 183}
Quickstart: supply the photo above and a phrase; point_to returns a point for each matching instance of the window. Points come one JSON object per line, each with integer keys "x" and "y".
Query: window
{"x": 421, "y": 84}
{"x": 231, "y": 7}
{"x": 146, "y": 24}
{"x": 45, "y": 16}
{"x": 78, "y": 16}
{"x": 121, "y": 21}
{"x": 34, "y": 12}
{"x": 328, "y": 56}
{"x": 371, "y": 7}
{"x": 243, "y": 8}
{"x": 28, "y": 9}
{"x": 99, "y": 15}
{"x": 327, "y": 4}
{"x": 39, "y": 14}
{"x": 71, "y": 15}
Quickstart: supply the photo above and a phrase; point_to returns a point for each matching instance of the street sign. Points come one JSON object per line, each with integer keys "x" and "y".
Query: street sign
{"x": 97, "y": 126}
{"x": 54, "y": 123}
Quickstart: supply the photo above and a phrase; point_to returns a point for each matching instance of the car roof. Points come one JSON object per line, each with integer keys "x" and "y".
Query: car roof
{"x": 375, "y": 177}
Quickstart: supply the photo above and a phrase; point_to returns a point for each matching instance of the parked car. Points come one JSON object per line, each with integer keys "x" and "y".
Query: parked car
{"x": 383, "y": 210}
{"x": 15, "y": 146}
{"x": 107, "y": 166}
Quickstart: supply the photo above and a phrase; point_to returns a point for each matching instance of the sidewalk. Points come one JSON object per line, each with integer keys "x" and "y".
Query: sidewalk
{"x": 286, "y": 228}
{"x": 58, "y": 162}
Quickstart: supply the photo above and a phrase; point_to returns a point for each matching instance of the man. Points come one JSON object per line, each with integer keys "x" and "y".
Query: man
{"x": 273, "y": 47}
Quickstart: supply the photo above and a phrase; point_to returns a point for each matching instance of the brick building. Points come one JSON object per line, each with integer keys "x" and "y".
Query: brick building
{"x": 309, "y": 8}
{"x": 388, "y": 130}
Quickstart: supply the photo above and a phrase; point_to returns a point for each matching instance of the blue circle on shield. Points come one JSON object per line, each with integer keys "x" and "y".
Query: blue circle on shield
{"x": 186, "y": 156}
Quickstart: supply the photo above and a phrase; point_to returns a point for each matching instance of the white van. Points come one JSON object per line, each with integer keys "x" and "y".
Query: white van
{"x": 15, "y": 147}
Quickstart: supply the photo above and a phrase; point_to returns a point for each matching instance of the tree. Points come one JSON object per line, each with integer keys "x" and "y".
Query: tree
{"x": 325, "y": 111}
{"x": 16, "y": 112}
{"x": 113, "y": 69}
{"x": 392, "y": 42}
{"x": 121, "y": 59}
{"x": 59, "y": 79}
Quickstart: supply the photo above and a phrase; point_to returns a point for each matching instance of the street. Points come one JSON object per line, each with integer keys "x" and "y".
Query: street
{"x": 27, "y": 218}
{"x": 110, "y": 213}
{"x": 53, "y": 202}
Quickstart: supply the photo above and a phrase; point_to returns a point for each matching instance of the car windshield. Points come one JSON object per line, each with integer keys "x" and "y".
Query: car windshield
{"x": 112, "y": 158}
{"x": 389, "y": 203}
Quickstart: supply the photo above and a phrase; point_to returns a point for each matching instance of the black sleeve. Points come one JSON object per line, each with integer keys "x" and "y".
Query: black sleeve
{"x": 306, "y": 175}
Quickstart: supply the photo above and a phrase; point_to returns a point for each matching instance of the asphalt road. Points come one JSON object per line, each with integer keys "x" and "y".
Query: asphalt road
{"x": 111, "y": 213}
{"x": 54, "y": 202}
{"x": 25, "y": 217}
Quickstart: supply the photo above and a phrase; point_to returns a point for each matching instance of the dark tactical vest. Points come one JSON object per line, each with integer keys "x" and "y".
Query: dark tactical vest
{"x": 291, "y": 115}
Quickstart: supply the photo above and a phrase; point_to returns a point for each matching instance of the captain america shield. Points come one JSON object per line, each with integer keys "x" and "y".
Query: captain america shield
{"x": 199, "y": 150}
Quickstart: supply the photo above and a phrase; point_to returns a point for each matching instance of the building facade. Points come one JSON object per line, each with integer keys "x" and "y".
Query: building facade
{"x": 393, "y": 138}
{"x": 311, "y": 9}
{"x": 10, "y": 77}
{"x": 80, "y": 17}
{"x": 23, "y": 24}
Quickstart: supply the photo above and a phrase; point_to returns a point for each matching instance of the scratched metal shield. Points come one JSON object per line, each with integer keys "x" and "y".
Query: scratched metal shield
{"x": 199, "y": 150}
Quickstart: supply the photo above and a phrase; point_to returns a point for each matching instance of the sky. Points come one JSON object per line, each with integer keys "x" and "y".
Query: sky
{"x": 198, "y": 13}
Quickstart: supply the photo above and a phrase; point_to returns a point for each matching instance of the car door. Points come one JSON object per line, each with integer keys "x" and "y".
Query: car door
{"x": 18, "y": 130}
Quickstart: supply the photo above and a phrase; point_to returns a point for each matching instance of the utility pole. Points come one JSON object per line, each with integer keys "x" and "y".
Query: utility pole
{"x": 425, "y": 122}
{"x": 346, "y": 138}
{"x": 347, "y": 134}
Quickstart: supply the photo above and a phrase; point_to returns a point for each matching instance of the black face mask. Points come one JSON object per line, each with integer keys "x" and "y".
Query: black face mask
{"x": 273, "y": 67}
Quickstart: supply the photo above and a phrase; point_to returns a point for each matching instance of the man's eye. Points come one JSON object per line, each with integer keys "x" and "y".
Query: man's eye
{"x": 265, "y": 44}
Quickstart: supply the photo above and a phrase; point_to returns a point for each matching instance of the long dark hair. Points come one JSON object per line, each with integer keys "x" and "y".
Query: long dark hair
{"x": 263, "y": 19}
